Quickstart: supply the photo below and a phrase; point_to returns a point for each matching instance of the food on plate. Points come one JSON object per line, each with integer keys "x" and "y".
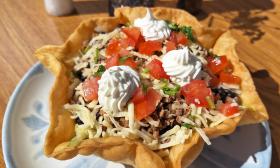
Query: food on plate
{"x": 148, "y": 90}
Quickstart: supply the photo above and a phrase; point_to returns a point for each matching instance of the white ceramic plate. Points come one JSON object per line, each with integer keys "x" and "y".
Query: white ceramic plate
{"x": 26, "y": 121}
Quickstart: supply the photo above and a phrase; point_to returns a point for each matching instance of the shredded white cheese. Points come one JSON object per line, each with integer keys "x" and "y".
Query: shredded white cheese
{"x": 151, "y": 121}
{"x": 131, "y": 115}
{"x": 83, "y": 113}
{"x": 203, "y": 135}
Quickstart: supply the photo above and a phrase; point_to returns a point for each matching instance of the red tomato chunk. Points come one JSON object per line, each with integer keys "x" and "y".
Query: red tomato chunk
{"x": 90, "y": 89}
{"x": 130, "y": 62}
{"x": 112, "y": 61}
{"x": 145, "y": 105}
{"x": 170, "y": 46}
{"x": 178, "y": 38}
{"x": 133, "y": 33}
{"x": 228, "y": 109}
{"x": 196, "y": 92}
{"x": 218, "y": 64}
{"x": 156, "y": 70}
{"x": 229, "y": 78}
{"x": 149, "y": 47}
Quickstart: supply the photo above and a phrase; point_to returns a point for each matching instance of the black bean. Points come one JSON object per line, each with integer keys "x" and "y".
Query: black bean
{"x": 79, "y": 75}
{"x": 97, "y": 115}
{"x": 104, "y": 128}
{"x": 224, "y": 93}
{"x": 79, "y": 121}
{"x": 165, "y": 129}
{"x": 158, "y": 53}
{"x": 215, "y": 90}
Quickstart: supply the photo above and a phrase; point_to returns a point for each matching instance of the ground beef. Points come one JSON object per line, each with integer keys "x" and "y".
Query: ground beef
{"x": 167, "y": 113}
{"x": 154, "y": 131}
{"x": 123, "y": 122}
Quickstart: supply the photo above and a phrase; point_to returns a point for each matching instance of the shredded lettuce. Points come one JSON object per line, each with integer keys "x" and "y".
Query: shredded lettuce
{"x": 81, "y": 134}
{"x": 101, "y": 69}
{"x": 189, "y": 126}
{"x": 144, "y": 72}
{"x": 173, "y": 26}
{"x": 123, "y": 59}
{"x": 85, "y": 49}
{"x": 96, "y": 55}
{"x": 83, "y": 113}
{"x": 171, "y": 91}
{"x": 187, "y": 30}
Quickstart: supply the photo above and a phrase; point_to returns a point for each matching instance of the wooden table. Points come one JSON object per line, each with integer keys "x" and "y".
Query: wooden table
{"x": 25, "y": 26}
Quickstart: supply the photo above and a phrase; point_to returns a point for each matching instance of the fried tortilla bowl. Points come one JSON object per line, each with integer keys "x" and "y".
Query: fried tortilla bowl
{"x": 123, "y": 150}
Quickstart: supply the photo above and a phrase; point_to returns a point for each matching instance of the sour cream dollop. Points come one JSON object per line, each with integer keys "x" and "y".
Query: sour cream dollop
{"x": 116, "y": 87}
{"x": 151, "y": 28}
{"x": 181, "y": 66}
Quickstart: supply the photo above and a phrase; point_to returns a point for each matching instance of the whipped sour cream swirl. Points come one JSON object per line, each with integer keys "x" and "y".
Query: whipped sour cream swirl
{"x": 116, "y": 87}
{"x": 181, "y": 66}
{"x": 151, "y": 28}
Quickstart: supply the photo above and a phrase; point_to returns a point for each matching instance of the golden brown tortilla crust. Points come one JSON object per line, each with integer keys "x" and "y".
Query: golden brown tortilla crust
{"x": 256, "y": 111}
{"x": 61, "y": 129}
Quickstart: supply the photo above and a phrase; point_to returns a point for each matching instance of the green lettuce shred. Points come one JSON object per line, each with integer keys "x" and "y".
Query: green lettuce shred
{"x": 81, "y": 134}
{"x": 96, "y": 55}
{"x": 187, "y": 30}
{"x": 189, "y": 126}
{"x": 171, "y": 91}
{"x": 100, "y": 71}
{"x": 123, "y": 59}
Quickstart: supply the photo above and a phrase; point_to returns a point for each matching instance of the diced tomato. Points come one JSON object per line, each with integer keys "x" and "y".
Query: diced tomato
{"x": 130, "y": 62}
{"x": 118, "y": 47}
{"x": 112, "y": 61}
{"x": 141, "y": 110}
{"x": 133, "y": 33}
{"x": 123, "y": 52}
{"x": 90, "y": 89}
{"x": 153, "y": 98}
{"x": 113, "y": 48}
{"x": 228, "y": 109}
{"x": 156, "y": 70}
{"x": 138, "y": 96}
{"x": 140, "y": 41}
{"x": 196, "y": 92}
{"x": 218, "y": 64}
{"x": 229, "y": 78}
{"x": 126, "y": 42}
{"x": 173, "y": 37}
{"x": 214, "y": 82}
{"x": 170, "y": 46}
{"x": 181, "y": 38}
{"x": 147, "y": 106}
{"x": 149, "y": 47}
{"x": 178, "y": 38}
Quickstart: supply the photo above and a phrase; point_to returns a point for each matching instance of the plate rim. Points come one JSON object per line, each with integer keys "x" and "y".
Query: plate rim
{"x": 6, "y": 143}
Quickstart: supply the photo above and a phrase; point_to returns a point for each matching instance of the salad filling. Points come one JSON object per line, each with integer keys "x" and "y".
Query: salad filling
{"x": 150, "y": 81}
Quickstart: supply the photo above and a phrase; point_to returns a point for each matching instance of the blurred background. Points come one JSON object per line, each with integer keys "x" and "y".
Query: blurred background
{"x": 26, "y": 26}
